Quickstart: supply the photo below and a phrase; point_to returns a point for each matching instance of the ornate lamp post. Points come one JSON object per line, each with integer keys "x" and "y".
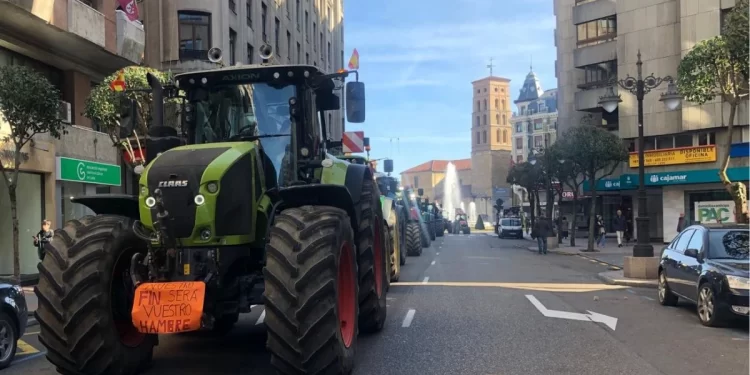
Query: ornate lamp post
{"x": 640, "y": 86}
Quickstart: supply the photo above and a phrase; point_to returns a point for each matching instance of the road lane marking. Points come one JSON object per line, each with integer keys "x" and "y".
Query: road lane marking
{"x": 648, "y": 298}
{"x": 261, "y": 318}
{"x": 546, "y": 287}
{"x": 592, "y": 316}
{"x": 631, "y": 291}
{"x": 438, "y": 253}
{"x": 18, "y": 360}
{"x": 433, "y": 263}
{"x": 408, "y": 318}
{"x": 25, "y": 348}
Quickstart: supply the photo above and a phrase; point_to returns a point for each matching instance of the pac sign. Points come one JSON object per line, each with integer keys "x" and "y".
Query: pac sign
{"x": 714, "y": 215}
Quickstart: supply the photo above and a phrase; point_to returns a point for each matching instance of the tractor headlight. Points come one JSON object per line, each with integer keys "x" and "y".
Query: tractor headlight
{"x": 206, "y": 234}
{"x": 199, "y": 200}
{"x": 150, "y": 202}
{"x": 737, "y": 282}
{"x": 212, "y": 187}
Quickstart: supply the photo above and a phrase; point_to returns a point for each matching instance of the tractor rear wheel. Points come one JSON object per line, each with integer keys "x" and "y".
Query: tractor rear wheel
{"x": 373, "y": 261}
{"x": 413, "y": 239}
{"x": 311, "y": 291}
{"x": 85, "y": 297}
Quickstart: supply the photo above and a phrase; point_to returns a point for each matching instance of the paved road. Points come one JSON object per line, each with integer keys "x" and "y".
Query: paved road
{"x": 467, "y": 306}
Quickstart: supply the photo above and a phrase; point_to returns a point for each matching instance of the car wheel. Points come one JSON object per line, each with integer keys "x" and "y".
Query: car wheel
{"x": 8, "y": 340}
{"x": 708, "y": 312}
{"x": 666, "y": 297}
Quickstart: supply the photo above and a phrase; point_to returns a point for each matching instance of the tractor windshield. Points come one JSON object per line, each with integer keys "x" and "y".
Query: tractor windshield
{"x": 248, "y": 111}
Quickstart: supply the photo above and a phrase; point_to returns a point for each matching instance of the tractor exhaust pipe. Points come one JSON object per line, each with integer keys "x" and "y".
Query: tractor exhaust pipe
{"x": 157, "y": 90}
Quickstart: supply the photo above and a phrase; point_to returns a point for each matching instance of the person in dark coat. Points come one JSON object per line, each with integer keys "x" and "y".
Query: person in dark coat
{"x": 620, "y": 224}
{"x": 542, "y": 230}
{"x": 42, "y": 238}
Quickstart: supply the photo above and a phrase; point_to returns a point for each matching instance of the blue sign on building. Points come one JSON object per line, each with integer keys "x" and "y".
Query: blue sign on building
{"x": 700, "y": 176}
{"x": 740, "y": 150}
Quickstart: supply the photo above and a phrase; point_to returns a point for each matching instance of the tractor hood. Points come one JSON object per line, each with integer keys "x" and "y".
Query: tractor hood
{"x": 208, "y": 190}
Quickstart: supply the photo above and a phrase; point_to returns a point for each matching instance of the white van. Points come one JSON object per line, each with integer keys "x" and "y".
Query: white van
{"x": 509, "y": 227}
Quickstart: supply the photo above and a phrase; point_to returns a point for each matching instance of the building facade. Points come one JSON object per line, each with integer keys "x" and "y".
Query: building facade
{"x": 491, "y": 143}
{"x": 181, "y": 32}
{"x": 599, "y": 40}
{"x": 430, "y": 177}
{"x": 75, "y": 44}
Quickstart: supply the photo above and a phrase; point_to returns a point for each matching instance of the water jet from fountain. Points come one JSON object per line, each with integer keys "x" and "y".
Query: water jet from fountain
{"x": 451, "y": 192}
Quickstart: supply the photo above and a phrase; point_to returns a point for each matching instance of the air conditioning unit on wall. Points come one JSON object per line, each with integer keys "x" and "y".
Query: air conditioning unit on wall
{"x": 65, "y": 112}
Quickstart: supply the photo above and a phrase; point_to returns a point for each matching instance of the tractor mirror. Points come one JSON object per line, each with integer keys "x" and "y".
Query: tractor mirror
{"x": 388, "y": 165}
{"x": 355, "y": 102}
{"x": 420, "y": 192}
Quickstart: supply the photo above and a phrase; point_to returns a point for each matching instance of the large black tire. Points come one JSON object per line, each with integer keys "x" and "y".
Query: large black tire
{"x": 413, "y": 239}
{"x": 371, "y": 249}
{"x": 85, "y": 298}
{"x": 394, "y": 267}
{"x": 303, "y": 284}
{"x": 431, "y": 229}
{"x": 439, "y": 228}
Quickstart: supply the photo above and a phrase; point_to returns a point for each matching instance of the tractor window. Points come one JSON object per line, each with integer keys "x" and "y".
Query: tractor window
{"x": 247, "y": 110}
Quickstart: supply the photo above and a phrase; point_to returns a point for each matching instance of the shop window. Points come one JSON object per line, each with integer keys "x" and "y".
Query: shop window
{"x": 683, "y": 140}
{"x": 705, "y": 139}
{"x": 664, "y": 142}
{"x": 30, "y": 199}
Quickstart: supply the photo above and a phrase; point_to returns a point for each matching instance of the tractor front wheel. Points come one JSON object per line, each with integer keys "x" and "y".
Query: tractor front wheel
{"x": 85, "y": 297}
{"x": 413, "y": 239}
{"x": 311, "y": 292}
{"x": 373, "y": 261}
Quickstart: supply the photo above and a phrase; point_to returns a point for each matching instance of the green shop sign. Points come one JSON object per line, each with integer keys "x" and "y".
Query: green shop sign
{"x": 88, "y": 172}
{"x": 703, "y": 176}
{"x": 605, "y": 184}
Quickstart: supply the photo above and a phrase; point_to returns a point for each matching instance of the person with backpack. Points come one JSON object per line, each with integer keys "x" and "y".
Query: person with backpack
{"x": 42, "y": 238}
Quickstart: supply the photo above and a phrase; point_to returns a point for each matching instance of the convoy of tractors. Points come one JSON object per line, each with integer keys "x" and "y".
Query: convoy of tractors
{"x": 244, "y": 205}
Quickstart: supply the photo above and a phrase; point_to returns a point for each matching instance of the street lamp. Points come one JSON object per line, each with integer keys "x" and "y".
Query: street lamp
{"x": 639, "y": 87}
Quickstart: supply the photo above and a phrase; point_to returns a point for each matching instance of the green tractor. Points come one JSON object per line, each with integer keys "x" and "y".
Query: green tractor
{"x": 394, "y": 213}
{"x": 249, "y": 210}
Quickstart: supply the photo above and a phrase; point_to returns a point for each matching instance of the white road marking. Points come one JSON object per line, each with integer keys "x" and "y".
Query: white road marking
{"x": 261, "y": 318}
{"x": 648, "y": 298}
{"x": 438, "y": 253}
{"x": 426, "y": 279}
{"x": 389, "y": 298}
{"x": 631, "y": 291}
{"x": 609, "y": 321}
{"x": 433, "y": 263}
{"x": 408, "y": 318}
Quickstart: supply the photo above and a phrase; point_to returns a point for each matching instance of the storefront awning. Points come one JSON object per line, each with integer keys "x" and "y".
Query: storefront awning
{"x": 25, "y": 33}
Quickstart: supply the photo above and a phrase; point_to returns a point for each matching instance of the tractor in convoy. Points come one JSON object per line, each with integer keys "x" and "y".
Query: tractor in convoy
{"x": 417, "y": 233}
{"x": 242, "y": 206}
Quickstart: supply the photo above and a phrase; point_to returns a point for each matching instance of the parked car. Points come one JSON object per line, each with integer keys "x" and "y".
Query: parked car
{"x": 509, "y": 227}
{"x": 13, "y": 318}
{"x": 708, "y": 265}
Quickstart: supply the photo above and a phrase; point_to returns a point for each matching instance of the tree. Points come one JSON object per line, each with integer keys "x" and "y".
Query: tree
{"x": 30, "y": 105}
{"x": 596, "y": 153}
{"x": 571, "y": 175}
{"x": 526, "y": 176}
{"x": 547, "y": 166}
{"x": 718, "y": 67}
{"x": 110, "y": 108}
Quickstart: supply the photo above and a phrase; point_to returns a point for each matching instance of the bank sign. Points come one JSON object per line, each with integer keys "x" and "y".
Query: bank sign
{"x": 87, "y": 172}
{"x": 703, "y": 176}
{"x": 714, "y": 212}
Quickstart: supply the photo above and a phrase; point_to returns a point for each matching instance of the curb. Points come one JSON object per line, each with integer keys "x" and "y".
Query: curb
{"x": 627, "y": 282}
{"x": 614, "y": 267}
{"x": 535, "y": 249}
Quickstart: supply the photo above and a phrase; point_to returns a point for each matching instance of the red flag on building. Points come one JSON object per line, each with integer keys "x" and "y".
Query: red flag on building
{"x": 130, "y": 8}
{"x": 354, "y": 60}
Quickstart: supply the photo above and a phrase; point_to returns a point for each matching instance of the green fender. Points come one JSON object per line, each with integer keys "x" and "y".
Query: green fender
{"x": 387, "y": 204}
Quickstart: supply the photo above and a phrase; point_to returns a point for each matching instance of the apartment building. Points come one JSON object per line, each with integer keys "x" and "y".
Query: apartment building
{"x": 180, "y": 33}
{"x": 75, "y": 44}
{"x": 535, "y": 123}
{"x": 598, "y": 41}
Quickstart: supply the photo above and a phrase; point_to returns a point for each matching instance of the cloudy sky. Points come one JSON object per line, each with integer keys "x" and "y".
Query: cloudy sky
{"x": 419, "y": 57}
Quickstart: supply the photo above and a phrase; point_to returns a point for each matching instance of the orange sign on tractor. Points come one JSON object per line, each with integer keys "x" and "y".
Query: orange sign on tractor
{"x": 171, "y": 307}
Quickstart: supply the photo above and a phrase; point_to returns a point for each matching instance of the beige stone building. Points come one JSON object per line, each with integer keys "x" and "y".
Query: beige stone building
{"x": 75, "y": 44}
{"x": 430, "y": 175}
{"x": 180, "y": 33}
{"x": 599, "y": 40}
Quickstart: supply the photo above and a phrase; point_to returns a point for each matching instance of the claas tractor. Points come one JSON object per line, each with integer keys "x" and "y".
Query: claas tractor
{"x": 250, "y": 210}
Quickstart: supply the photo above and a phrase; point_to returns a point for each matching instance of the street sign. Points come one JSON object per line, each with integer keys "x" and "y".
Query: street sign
{"x": 354, "y": 141}
{"x": 609, "y": 321}
{"x": 88, "y": 172}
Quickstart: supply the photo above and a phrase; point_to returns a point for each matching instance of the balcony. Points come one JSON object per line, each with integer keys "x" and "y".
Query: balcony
{"x": 131, "y": 38}
{"x": 593, "y": 10}
{"x": 86, "y": 22}
{"x": 595, "y": 54}
{"x": 84, "y": 143}
{"x": 588, "y": 100}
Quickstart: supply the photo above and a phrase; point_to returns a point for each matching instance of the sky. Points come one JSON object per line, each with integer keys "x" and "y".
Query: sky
{"x": 419, "y": 57}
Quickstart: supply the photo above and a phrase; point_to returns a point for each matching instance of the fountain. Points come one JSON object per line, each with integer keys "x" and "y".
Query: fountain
{"x": 472, "y": 213}
{"x": 451, "y": 192}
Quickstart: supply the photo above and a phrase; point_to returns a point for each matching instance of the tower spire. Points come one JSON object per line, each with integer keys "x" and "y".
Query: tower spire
{"x": 491, "y": 66}
{"x": 531, "y": 63}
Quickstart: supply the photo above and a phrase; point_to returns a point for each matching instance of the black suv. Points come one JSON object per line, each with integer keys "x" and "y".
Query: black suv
{"x": 13, "y": 319}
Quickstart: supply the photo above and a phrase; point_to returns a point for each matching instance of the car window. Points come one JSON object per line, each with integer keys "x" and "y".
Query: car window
{"x": 511, "y": 223}
{"x": 728, "y": 244}
{"x": 674, "y": 241}
{"x": 683, "y": 241}
{"x": 696, "y": 242}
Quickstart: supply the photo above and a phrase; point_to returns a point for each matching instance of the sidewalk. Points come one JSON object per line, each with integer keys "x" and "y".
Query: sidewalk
{"x": 610, "y": 254}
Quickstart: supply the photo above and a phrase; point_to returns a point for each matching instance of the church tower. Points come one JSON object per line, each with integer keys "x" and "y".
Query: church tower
{"x": 491, "y": 141}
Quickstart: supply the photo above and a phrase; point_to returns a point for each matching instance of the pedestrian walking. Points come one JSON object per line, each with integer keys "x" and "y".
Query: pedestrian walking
{"x": 42, "y": 238}
{"x": 602, "y": 232}
{"x": 681, "y": 223}
{"x": 542, "y": 230}
{"x": 564, "y": 227}
{"x": 619, "y": 223}
{"x": 629, "y": 228}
